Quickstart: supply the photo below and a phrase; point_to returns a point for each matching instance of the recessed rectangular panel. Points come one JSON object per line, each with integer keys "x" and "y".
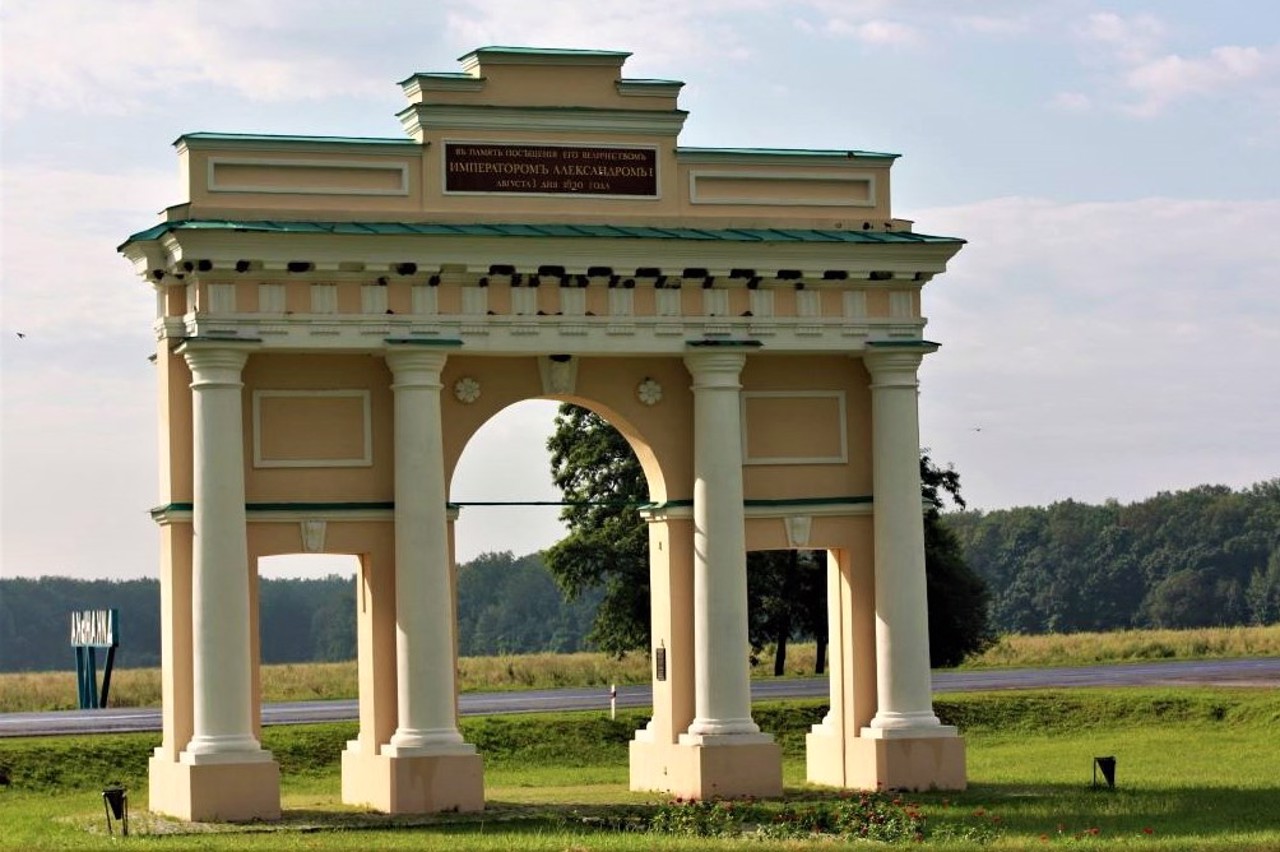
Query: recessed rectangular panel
{"x": 748, "y": 188}
{"x": 794, "y": 427}
{"x": 312, "y": 428}
{"x": 307, "y": 177}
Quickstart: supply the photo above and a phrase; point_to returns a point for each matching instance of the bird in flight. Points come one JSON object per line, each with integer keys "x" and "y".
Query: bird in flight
{"x": 21, "y": 336}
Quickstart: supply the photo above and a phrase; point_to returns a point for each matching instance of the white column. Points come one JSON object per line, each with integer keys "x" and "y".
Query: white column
{"x": 222, "y": 729}
{"x": 425, "y": 660}
{"x": 722, "y": 678}
{"x": 903, "y": 684}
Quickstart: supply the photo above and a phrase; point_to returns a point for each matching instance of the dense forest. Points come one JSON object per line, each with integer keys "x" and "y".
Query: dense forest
{"x": 1206, "y": 556}
{"x": 505, "y": 605}
{"x": 1203, "y": 557}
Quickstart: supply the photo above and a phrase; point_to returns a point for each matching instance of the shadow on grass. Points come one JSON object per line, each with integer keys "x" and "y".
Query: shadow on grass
{"x": 985, "y": 812}
{"x": 1057, "y": 810}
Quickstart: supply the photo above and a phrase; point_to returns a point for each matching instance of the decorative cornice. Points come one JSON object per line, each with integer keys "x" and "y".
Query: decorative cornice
{"x": 420, "y": 117}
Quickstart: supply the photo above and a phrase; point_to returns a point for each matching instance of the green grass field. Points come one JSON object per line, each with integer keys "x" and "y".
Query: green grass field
{"x": 1196, "y": 769}
{"x": 35, "y": 691}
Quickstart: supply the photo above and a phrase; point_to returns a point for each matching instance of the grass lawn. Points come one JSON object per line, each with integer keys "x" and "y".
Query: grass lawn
{"x": 1196, "y": 769}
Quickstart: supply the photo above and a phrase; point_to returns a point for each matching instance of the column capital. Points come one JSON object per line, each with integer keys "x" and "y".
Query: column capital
{"x": 216, "y": 362}
{"x": 416, "y": 367}
{"x": 895, "y": 366}
{"x": 715, "y": 368}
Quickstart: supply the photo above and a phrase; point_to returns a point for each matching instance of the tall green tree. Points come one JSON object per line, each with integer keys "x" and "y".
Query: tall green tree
{"x": 608, "y": 548}
{"x": 959, "y": 603}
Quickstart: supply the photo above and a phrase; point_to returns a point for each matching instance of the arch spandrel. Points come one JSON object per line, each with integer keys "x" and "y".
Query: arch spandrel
{"x": 607, "y": 386}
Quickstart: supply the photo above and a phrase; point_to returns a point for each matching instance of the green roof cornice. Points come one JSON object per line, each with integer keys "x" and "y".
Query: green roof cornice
{"x": 544, "y": 52}
{"x": 795, "y": 153}
{"x": 286, "y": 140}
{"x": 401, "y": 229}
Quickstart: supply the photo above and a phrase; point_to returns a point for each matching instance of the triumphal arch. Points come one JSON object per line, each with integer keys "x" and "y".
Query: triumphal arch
{"x": 336, "y": 317}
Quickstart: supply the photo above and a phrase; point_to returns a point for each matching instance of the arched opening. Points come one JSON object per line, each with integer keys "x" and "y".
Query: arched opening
{"x": 511, "y": 513}
{"x": 505, "y": 462}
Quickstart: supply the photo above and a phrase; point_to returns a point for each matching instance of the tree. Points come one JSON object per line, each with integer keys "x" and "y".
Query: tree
{"x": 959, "y": 602}
{"x": 608, "y": 548}
{"x": 786, "y": 599}
{"x": 608, "y": 544}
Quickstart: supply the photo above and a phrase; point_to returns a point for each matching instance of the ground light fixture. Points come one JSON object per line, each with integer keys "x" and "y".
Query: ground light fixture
{"x": 115, "y": 803}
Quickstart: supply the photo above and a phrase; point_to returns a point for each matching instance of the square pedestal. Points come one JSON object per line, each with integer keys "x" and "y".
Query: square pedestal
{"x": 824, "y": 757}
{"x": 906, "y": 763}
{"x": 214, "y": 792}
{"x": 705, "y": 771}
{"x": 419, "y": 784}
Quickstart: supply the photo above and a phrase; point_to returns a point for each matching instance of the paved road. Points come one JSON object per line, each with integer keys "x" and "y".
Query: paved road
{"x": 1254, "y": 672}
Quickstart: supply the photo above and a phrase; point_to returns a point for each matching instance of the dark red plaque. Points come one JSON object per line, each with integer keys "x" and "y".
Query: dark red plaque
{"x": 550, "y": 169}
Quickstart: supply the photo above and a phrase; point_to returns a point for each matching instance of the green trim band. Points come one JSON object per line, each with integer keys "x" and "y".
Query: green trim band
{"x": 204, "y": 136}
{"x": 798, "y": 502}
{"x": 903, "y": 344}
{"x": 814, "y": 153}
{"x": 401, "y": 229}
{"x": 389, "y": 505}
{"x": 285, "y": 507}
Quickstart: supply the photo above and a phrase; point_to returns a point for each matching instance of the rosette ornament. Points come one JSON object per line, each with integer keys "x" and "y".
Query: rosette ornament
{"x": 649, "y": 392}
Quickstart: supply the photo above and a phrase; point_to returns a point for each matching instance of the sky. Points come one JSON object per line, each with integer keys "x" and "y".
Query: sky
{"x": 1111, "y": 330}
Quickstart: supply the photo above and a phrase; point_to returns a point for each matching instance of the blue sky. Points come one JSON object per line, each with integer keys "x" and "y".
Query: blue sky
{"x": 1113, "y": 327}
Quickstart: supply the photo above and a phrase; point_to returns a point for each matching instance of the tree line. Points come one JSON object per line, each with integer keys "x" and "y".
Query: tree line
{"x": 1202, "y": 557}
{"x": 506, "y": 605}
{"x": 1205, "y": 556}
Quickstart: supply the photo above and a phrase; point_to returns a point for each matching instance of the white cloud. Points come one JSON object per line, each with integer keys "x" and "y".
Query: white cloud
{"x": 114, "y": 58}
{"x": 992, "y": 25}
{"x": 1071, "y": 102}
{"x": 1106, "y": 349}
{"x": 1161, "y": 81}
{"x": 660, "y": 33}
{"x": 1132, "y": 40}
{"x": 62, "y": 273}
{"x": 1134, "y": 50}
{"x": 876, "y": 31}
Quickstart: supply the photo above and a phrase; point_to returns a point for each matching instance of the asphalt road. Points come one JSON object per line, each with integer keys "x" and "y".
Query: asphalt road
{"x": 1253, "y": 672}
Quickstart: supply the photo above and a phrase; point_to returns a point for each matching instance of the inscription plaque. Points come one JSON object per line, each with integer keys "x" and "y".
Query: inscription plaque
{"x": 550, "y": 169}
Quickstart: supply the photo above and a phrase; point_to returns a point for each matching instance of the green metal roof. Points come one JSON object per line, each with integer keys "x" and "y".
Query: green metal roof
{"x": 738, "y": 235}
{"x": 654, "y": 80}
{"x": 787, "y": 152}
{"x": 272, "y": 137}
{"x": 544, "y": 51}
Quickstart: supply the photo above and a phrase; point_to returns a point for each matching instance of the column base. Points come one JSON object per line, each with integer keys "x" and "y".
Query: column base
{"x": 722, "y": 767}
{"x": 823, "y": 756}
{"x": 905, "y": 763}
{"x": 412, "y": 784}
{"x": 214, "y": 792}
